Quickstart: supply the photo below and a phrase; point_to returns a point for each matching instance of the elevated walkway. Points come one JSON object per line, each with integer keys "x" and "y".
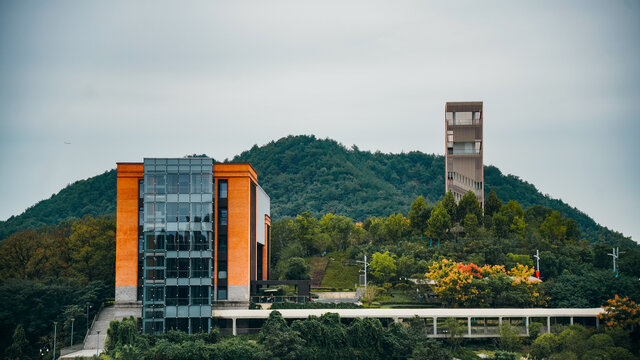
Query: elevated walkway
{"x": 482, "y": 322}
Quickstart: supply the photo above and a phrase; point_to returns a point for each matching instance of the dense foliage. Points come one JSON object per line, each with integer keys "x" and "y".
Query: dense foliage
{"x": 324, "y": 337}
{"x": 50, "y": 274}
{"x": 476, "y": 259}
{"x": 305, "y": 174}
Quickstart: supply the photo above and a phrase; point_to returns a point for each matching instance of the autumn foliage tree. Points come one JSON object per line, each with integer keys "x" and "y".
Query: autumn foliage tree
{"x": 460, "y": 284}
{"x": 622, "y": 313}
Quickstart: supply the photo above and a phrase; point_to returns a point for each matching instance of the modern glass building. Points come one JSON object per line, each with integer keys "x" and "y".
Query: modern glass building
{"x": 191, "y": 236}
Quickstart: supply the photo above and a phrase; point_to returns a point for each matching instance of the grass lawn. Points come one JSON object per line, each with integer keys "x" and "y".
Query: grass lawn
{"x": 318, "y": 264}
{"x": 338, "y": 275}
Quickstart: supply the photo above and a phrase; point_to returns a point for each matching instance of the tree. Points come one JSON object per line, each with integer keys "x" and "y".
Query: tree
{"x": 304, "y": 227}
{"x": 383, "y": 266}
{"x": 492, "y": 203}
{"x": 296, "y": 269}
{"x": 19, "y": 346}
{"x": 121, "y": 333}
{"x": 439, "y": 222}
{"x": 396, "y": 226}
{"x": 449, "y": 203}
{"x": 553, "y": 227}
{"x": 338, "y": 228}
{"x": 468, "y": 205}
{"x": 621, "y": 313}
{"x": 454, "y": 331}
{"x": 419, "y": 215}
{"x": 406, "y": 266}
{"x": 92, "y": 249}
{"x": 470, "y": 226}
{"x": 509, "y": 340}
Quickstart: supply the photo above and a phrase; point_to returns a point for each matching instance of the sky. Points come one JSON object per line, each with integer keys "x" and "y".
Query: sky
{"x": 84, "y": 85}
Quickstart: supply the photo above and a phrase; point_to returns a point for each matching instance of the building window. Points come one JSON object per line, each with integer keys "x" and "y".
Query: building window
{"x": 199, "y": 267}
{"x": 222, "y": 188}
{"x": 183, "y": 212}
{"x": 223, "y": 217}
{"x": 183, "y": 183}
{"x": 222, "y": 293}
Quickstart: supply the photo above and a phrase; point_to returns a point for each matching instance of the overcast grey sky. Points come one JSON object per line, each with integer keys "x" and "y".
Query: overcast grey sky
{"x": 122, "y": 80}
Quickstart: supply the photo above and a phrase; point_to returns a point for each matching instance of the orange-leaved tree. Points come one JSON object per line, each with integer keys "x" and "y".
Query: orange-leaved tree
{"x": 472, "y": 285}
{"x": 621, "y": 313}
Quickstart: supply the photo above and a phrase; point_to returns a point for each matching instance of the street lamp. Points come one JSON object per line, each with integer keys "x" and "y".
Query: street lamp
{"x": 72, "y": 320}
{"x": 366, "y": 264}
{"x": 98, "y": 344}
{"x": 88, "y": 307}
{"x": 55, "y": 333}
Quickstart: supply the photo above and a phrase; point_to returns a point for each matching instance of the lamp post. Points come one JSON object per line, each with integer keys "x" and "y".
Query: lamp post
{"x": 55, "y": 333}
{"x": 537, "y": 256}
{"x": 88, "y": 306}
{"x": 72, "y": 320}
{"x": 365, "y": 270}
{"x": 98, "y": 344}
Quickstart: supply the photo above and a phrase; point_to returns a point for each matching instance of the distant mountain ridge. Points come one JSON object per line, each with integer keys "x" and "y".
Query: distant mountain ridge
{"x": 303, "y": 173}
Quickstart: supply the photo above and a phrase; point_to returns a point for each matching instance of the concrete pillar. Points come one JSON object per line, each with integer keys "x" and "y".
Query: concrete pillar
{"x": 396, "y": 320}
{"x": 435, "y": 326}
{"x": 526, "y": 325}
{"x": 571, "y": 320}
{"x": 469, "y": 326}
{"x": 548, "y": 324}
{"x": 233, "y": 322}
{"x": 597, "y": 322}
{"x": 500, "y": 320}
{"x": 485, "y": 325}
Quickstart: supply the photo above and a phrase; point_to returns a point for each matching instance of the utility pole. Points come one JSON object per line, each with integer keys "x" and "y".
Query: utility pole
{"x": 615, "y": 254}
{"x": 537, "y": 256}
{"x": 366, "y": 264}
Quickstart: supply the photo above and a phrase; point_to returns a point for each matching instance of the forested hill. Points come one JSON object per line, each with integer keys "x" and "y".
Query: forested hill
{"x": 95, "y": 196}
{"x": 302, "y": 173}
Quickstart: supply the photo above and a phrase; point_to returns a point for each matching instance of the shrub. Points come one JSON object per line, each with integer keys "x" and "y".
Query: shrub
{"x": 505, "y": 355}
{"x": 574, "y": 339}
{"x": 565, "y": 355}
{"x": 600, "y": 341}
{"x": 534, "y": 331}
{"x": 618, "y": 353}
{"x": 596, "y": 354}
{"x": 620, "y": 337}
{"x": 508, "y": 341}
{"x": 463, "y": 353}
{"x": 544, "y": 346}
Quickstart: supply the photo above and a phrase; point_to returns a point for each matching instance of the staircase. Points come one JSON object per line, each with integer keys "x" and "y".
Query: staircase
{"x": 101, "y": 324}
{"x": 94, "y": 342}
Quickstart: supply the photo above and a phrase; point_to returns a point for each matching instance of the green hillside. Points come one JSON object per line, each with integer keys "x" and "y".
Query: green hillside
{"x": 302, "y": 173}
{"x": 95, "y": 196}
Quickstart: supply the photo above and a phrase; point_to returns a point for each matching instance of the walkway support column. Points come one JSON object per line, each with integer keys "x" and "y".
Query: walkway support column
{"x": 597, "y": 322}
{"x": 571, "y": 320}
{"x": 469, "y": 326}
{"x": 548, "y": 324}
{"x": 233, "y": 326}
{"x": 526, "y": 325}
{"x": 435, "y": 326}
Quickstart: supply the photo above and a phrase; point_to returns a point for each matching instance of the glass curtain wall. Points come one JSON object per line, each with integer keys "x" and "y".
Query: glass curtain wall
{"x": 177, "y": 233}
